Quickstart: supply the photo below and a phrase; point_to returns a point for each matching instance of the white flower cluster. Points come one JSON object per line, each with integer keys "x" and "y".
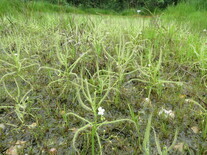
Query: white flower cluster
{"x": 101, "y": 111}
{"x": 167, "y": 113}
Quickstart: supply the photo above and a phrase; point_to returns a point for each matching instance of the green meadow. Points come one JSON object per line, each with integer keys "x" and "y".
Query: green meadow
{"x": 92, "y": 81}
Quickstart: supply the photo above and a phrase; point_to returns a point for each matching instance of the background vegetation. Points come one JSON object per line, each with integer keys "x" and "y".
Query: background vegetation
{"x": 117, "y": 5}
{"x": 59, "y": 65}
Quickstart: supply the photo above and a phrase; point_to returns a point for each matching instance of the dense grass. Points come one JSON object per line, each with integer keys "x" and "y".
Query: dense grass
{"x": 12, "y": 7}
{"x": 191, "y": 14}
{"x": 16, "y": 6}
{"x": 57, "y": 70}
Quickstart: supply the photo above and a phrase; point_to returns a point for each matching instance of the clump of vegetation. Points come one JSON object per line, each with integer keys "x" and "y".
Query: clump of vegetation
{"x": 117, "y": 5}
{"x": 89, "y": 84}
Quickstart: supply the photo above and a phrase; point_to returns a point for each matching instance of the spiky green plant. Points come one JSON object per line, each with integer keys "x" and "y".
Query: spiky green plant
{"x": 165, "y": 149}
{"x": 93, "y": 101}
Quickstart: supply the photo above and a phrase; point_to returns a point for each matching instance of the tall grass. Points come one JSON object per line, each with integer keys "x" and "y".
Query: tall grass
{"x": 16, "y": 6}
{"x": 191, "y": 13}
{"x": 70, "y": 65}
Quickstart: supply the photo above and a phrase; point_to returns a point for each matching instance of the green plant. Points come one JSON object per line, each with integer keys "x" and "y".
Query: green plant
{"x": 21, "y": 101}
{"x": 66, "y": 74}
{"x": 151, "y": 74}
{"x": 203, "y": 116}
{"x": 55, "y": 62}
{"x": 135, "y": 118}
{"x": 146, "y": 141}
{"x": 95, "y": 101}
{"x": 202, "y": 60}
{"x": 14, "y": 68}
{"x": 16, "y": 65}
{"x": 165, "y": 149}
{"x": 123, "y": 62}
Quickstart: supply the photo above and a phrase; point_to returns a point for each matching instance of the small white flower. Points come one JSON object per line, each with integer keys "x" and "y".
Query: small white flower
{"x": 147, "y": 102}
{"x": 187, "y": 100}
{"x": 149, "y": 65}
{"x": 167, "y": 113}
{"x": 147, "y": 99}
{"x": 53, "y": 151}
{"x": 204, "y": 30}
{"x": 172, "y": 114}
{"x": 101, "y": 111}
{"x": 138, "y": 11}
{"x": 32, "y": 126}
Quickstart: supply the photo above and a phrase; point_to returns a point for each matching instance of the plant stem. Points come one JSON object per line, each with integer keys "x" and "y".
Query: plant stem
{"x": 93, "y": 132}
{"x": 93, "y": 138}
